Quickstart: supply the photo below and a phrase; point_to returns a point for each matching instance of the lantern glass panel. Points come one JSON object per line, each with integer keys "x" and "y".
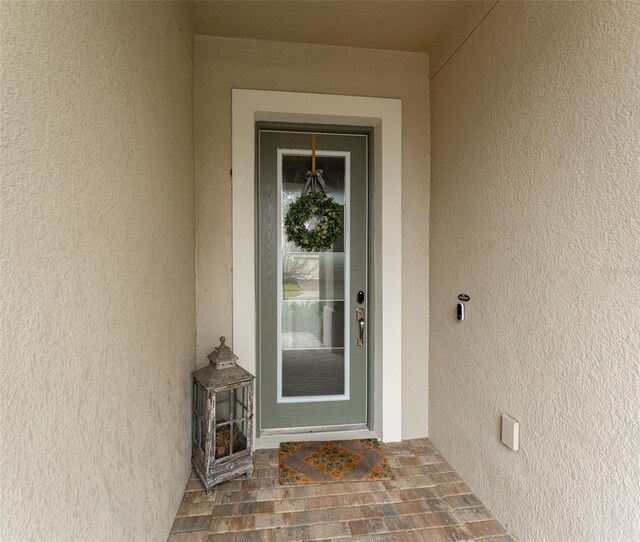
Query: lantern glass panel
{"x": 202, "y": 400}
{"x": 199, "y": 406}
{"x": 223, "y": 441}
{"x": 240, "y": 403}
{"x": 224, "y": 401}
{"x": 240, "y": 436}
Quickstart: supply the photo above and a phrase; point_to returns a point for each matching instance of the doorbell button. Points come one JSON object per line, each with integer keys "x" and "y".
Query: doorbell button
{"x": 460, "y": 312}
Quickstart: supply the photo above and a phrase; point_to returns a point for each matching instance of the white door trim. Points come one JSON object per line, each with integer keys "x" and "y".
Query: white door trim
{"x": 385, "y": 116}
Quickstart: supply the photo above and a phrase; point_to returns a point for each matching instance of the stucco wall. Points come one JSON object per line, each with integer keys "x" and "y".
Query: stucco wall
{"x": 535, "y": 214}
{"x": 224, "y": 64}
{"x": 98, "y": 297}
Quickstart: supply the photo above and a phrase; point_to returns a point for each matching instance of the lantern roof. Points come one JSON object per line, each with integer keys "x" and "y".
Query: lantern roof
{"x": 222, "y": 371}
{"x": 219, "y": 379}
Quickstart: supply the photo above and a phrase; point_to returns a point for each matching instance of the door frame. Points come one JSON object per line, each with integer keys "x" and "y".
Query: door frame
{"x": 384, "y": 116}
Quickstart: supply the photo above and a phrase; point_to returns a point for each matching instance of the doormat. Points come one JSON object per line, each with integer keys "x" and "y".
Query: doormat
{"x": 333, "y": 461}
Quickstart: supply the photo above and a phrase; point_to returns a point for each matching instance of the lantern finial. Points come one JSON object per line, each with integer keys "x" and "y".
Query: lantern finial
{"x": 222, "y": 357}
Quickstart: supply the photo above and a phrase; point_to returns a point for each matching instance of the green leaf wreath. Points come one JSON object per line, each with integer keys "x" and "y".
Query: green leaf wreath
{"x": 313, "y": 207}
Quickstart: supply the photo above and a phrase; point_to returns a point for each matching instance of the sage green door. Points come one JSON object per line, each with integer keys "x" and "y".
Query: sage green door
{"x": 312, "y": 306}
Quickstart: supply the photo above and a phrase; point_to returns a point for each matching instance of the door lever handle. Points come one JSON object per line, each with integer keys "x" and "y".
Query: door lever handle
{"x": 360, "y": 320}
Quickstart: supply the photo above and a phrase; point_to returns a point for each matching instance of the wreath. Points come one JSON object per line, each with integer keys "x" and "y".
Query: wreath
{"x": 314, "y": 222}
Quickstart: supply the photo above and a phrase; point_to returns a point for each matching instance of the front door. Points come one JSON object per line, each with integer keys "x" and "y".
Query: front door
{"x": 312, "y": 306}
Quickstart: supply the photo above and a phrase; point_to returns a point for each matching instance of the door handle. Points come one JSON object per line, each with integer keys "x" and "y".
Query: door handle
{"x": 360, "y": 320}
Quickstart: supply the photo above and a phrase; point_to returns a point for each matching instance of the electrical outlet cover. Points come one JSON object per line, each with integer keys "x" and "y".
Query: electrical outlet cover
{"x": 510, "y": 433}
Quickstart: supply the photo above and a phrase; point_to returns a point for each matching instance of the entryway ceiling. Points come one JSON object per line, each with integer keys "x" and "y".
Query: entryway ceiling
{"x": 386, "y": 24}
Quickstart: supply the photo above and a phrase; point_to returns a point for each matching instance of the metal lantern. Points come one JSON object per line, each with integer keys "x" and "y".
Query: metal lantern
{"x": 222, "y": 419}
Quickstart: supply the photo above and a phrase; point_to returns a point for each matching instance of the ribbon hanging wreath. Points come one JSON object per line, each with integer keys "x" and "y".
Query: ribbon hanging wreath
{"x": 314, "y": 220}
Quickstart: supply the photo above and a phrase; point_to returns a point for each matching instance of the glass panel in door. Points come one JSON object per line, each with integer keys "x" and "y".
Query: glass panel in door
{"x": 312, "y": 306}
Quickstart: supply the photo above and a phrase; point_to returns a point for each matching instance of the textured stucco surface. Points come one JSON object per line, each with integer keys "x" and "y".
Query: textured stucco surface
{"x": 224, "y": 64}
{"x": 535, "y": 214}
{"x": 98, "y": 295}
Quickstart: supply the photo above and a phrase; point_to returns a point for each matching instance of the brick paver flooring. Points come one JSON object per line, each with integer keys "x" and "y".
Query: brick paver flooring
{"x": 428, "y": 501}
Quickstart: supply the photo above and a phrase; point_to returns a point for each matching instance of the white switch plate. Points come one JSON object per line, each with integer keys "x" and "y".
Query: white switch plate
{"x": 510, "y": 433}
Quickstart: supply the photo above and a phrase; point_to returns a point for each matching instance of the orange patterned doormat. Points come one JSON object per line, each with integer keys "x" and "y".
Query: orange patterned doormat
{"x": 333, "y": 461}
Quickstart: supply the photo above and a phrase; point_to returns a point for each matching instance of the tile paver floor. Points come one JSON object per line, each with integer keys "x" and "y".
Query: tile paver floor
{"x": 428, "y": 501}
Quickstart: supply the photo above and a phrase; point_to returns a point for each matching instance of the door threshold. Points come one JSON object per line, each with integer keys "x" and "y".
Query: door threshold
{"x": 314, "y": 429}
{"x": 271, "y": 438}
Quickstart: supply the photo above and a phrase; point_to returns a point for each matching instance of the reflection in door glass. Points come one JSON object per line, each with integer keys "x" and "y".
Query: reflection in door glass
{"x": 312, "y": 324}
{"x": 313, "y": 275}
{"x": 313, "y": 293}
